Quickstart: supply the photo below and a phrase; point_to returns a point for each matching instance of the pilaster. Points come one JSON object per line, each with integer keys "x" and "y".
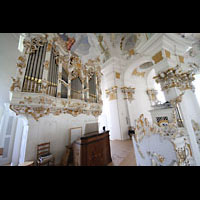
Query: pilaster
{"x": 175, "y": 86}
{"x": 118, "y": 113}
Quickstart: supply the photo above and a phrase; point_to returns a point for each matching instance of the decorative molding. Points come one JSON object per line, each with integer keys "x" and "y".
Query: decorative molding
{"x": 39, "y": 105}
{"x": 117, "y": 75}
{"x": 152, "y": 94}
{"x": 176, "y": 136}
{"x": 136, "y": 73}
{"x": 72, "y": 65}
{"x": 167, "y": 53}
{"x": 181, "y": 59}
{"x": 16, "y": 85}
{"x": 177, "y": 100}
{"x": 157, "y": 57}
{"x": 128, "y": 93}
{"x": 111, "y": 93}
{"x": 32, "y": 44}
{"x": 175, "y": 77}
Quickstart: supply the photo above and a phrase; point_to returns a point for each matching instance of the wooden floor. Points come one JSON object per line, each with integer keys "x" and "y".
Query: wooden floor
{"x": 122, "y": 153}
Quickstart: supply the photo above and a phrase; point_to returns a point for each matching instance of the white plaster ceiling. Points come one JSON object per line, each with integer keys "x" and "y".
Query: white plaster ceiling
{"x": 105, "y": 45}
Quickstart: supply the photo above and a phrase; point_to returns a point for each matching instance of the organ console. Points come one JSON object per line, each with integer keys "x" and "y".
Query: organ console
{"x": 93, "y": 148}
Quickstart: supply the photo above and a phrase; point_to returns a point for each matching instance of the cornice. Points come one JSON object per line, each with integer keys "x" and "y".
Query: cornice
{"x": 166, "y": 41}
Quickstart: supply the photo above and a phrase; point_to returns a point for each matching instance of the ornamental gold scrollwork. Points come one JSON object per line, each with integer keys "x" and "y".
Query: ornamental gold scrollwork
{"x": 177, "y": 100}
{"x": 183, "y": 152}
{"x": 21, "y": 62}
{"x": 16, "y": 85}
{"x": 152, "y": 94}
{"x": 136, "y": 73}
{"x": 128, "y": 93}
{"x": 111, "y": 93}
{"x": 33, "y": 44}
{"x": 156, "y": 158}
{"x": 175, "y": 77}
{"x": 46, "y": 65}
{"x": 72, "y": 65}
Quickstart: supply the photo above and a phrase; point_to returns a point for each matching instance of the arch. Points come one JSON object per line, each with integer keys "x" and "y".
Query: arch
{"x": 196, "y": 84}
{"x": 141, "y": 103}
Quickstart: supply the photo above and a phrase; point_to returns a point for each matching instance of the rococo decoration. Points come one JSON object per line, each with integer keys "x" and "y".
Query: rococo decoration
{"x": 152, "y": 94}
{"x": 171, "y": 133}
{"x": 111, "y": 93}
{"x": 128, "y": 93}
{"x": 53, "y": 80}
{"x": 175, "y": 77}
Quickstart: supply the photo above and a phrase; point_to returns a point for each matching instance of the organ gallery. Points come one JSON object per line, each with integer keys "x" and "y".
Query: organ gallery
{"x": 100, "y": 99}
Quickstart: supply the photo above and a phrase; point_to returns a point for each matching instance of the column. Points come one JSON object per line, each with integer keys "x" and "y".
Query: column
{"x": 173, "y": 93}
{"x": 114, "y": 104}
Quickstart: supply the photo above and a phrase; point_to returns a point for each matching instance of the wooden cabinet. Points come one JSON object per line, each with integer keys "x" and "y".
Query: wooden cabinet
{"x": 92, "y": 150}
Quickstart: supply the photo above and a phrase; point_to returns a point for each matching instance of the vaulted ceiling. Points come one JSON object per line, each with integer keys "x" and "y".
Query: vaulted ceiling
{"x": 105, "y": 45}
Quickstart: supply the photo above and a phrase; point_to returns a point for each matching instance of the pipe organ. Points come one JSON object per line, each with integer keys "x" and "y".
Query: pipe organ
{"x": 53, "y": 72}
{"x": 34, "y": 69}
{"x": 92, "y": 89}
{"x": 51, "y": 79}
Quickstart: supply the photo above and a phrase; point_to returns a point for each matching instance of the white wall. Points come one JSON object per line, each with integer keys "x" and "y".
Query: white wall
{"x": 53, "y": 129}
{"x": 8, "y": 59}
{"x": 191, "y": 106}
{"x": 115, "y": 111}
{"x": 141, "y": 103}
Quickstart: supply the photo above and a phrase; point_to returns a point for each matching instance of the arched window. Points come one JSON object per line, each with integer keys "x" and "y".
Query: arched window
{"x": 160, "y": 94}
{"x": 152, "y": 84}
{"x": 196, "y": 84}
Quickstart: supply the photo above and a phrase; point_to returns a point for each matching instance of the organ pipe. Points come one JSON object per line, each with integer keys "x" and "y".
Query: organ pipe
{"x": 79, "y": 89}
{"x": 34, "y": 70}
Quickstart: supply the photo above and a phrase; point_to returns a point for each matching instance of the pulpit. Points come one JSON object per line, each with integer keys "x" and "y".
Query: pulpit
{"x": 92, "y": 149}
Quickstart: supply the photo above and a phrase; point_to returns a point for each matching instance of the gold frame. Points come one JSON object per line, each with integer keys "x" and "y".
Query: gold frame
{"x": 69, "y": 141}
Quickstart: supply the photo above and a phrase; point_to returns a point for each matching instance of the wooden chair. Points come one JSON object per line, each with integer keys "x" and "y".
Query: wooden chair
{"x": 42, "y": 151}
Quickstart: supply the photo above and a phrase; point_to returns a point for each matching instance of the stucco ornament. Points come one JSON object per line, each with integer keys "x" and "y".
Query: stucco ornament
{"x": 175, "y": 77}
{"x": 172, "y": 145}
{"x": 44, "y": 95}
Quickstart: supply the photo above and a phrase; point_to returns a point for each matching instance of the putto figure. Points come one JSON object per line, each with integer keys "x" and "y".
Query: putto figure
{"x": 69, "y": 43}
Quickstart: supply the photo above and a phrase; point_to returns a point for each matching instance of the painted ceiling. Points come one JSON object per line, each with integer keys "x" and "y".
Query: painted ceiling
{"x": 104, "y": 45}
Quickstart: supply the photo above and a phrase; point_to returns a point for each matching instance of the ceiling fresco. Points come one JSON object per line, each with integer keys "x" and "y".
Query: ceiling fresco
{"x": 104, "y": 45}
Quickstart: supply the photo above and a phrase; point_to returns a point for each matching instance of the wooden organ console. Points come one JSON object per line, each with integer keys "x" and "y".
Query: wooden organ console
{"x": 93, "y": 149}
